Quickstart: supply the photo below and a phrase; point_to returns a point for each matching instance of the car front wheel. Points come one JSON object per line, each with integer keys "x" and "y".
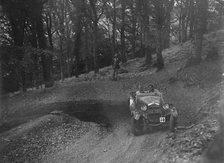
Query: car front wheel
{"x": 136, "y": 126}
{"x": 172, "y": 124}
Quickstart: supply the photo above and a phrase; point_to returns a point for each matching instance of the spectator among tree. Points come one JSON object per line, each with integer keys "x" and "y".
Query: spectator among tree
{"x": 116, "y": 66}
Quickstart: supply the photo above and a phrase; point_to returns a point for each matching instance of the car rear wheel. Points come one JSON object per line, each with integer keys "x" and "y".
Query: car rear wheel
{"x": 136, "y": 126}
{"x": 172, "y": 124}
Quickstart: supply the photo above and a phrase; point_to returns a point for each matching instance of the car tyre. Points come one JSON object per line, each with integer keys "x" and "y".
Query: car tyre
{"x": 136, "y": 126}
{"x": 172, "y": 124}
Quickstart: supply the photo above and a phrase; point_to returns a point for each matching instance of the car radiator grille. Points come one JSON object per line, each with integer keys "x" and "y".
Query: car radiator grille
{"x": 154, "y": 118}
{"x": 154, "y": 110}
{"x": 153, "y": 114}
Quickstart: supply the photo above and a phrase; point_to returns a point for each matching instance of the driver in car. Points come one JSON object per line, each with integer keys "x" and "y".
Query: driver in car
{"x": 151, "y": 91}
{"x": 140, "y": 89}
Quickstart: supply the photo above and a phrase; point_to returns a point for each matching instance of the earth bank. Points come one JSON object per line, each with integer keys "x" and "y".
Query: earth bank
{"x": 87, "y": 119}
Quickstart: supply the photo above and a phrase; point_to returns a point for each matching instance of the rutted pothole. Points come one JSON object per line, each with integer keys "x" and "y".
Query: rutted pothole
{"x": 88, "y": 112}
{"x": 101, "y": 112}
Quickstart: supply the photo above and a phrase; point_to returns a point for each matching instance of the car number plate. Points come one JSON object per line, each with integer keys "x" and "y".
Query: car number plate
{"x": 162, "y": 119}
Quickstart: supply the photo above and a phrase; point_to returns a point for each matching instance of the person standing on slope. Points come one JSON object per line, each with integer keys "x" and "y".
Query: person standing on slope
{"x": 116, "y": 66}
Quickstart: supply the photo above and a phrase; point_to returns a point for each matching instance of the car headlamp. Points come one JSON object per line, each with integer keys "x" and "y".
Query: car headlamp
{"x": 144, "y": 108}
{"x": 131, "y": 102}
{"x": 166, "y": 106}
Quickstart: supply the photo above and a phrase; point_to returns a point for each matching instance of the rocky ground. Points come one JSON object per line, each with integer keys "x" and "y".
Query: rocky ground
{"x": 87, "y": 119}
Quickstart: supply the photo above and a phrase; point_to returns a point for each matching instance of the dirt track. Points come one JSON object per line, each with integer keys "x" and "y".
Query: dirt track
{"x": 104, "y": 136}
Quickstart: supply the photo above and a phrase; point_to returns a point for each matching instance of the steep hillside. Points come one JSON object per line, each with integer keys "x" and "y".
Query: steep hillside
{"x": 90, "y": 121}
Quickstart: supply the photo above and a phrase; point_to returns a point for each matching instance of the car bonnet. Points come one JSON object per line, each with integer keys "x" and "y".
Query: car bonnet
{"x": 150, "y": 100}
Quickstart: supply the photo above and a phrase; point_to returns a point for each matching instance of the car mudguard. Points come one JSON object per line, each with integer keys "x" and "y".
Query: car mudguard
{"x": 136, "y": 115}
{"x": 174, "y": 113}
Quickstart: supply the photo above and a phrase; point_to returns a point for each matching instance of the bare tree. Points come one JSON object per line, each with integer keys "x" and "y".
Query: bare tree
{"x": 123, "y": 53}
{"x": 202, "y": 8}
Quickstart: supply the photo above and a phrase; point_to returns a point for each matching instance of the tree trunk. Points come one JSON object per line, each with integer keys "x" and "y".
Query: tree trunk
{"x": 61, "y": 60}
{"x": 166, "y": 43}
{"x": 114, "y": 28}
{"x": 18, "y": 37}
{"x": 202, "y": 7}
{"x": 134, "y": 22}
{"x": 61, "y": 37}
{"x": 179, "y": 25}
{"x": 183, "y": 28}
{"x": 144, "y": 22}
{"x": 77, "y": 43}
{"x": 148, "y": 54}
{"x": 159, "y": 61}
{"x": 191, "y": 18}
{"x": 49, "y": 29}
{"x": 23, "y": 75}
{"x": 34, "y": 44}
{"x": 33, "y": 30}
{"x": 68, "y": 68}
{"x": 18, "y": 31}
{"x": 95, "y": 33}
{"x": 87, "y": 50}
{"x": 69, "y": 47}
{"x": 123, "y": 53}
{"x": 46, "y": 60}
{"x": 159, "y": 7}
{"x": 95, "y": 56}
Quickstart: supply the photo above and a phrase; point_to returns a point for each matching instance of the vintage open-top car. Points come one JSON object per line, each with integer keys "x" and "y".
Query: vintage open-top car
{"x": 149, "y": 109}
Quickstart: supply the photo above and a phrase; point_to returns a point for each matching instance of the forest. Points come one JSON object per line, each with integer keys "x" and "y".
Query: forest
{"x": 61, "y": 102}
{"x": 42, "y": 41}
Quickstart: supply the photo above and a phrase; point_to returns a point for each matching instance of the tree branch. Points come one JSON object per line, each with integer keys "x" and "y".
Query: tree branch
{"x": 6, "y": 38}
{"x": 220, "y": 2}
